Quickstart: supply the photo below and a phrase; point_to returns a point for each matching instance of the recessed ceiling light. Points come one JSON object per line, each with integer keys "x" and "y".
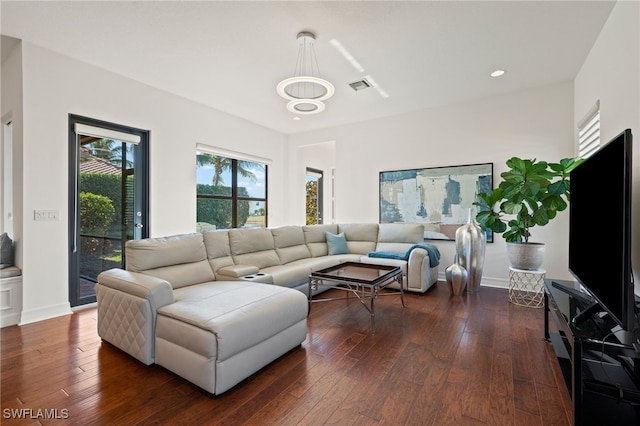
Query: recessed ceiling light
{"x": 296, "y": 118}
{"x": 498, "y": 73}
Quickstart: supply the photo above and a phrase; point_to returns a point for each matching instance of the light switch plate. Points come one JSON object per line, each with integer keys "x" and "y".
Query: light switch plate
{"x": 46, "y": 215}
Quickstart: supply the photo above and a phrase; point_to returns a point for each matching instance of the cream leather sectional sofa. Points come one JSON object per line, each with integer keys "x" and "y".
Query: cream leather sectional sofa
{"x": 216, "y": 307}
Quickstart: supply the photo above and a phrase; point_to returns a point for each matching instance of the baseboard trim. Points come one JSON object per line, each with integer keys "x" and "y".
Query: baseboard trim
{"x": 85, "y": 306}
{"x": 485, "y": 282}
{"x": 43, "y": 313}
{"x": 9, "y": 319}
{"x": 495, "y": 282}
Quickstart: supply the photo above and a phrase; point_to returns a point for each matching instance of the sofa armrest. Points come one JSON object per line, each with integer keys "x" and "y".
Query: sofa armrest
{"x": 237, "y": 271}
{"x": 158, "y": 291}
{"x": 127, "y": 310}
{"x": 419, "y": 274}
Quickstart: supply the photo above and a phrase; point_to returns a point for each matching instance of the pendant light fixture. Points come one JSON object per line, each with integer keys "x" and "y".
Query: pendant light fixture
{"x": 305, "y": 91}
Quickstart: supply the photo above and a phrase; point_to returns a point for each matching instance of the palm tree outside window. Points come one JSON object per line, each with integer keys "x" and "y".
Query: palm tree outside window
{"x": 231, "y": 193}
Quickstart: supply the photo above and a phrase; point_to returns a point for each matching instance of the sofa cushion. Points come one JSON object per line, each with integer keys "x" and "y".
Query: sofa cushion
{"x": 253, "y": 247}
{"x": 250, "y": 240}
{"x": 361, "y": 237}
{"x": 180, "y": 259}
{"x": 11, "y": 271}
{"x": 398, "y": 237}
{"x": 317, "y": 263}
{"x": 238, "y": 314}
{"x": 151, "y": 253}
{"x": 289, "y": 243}
{"x": 289, "y": 275}
{"x": 315, "y": 238}
{"x": 336, "y": 244}
{"x": 183, "y": 275}
{"x": 218, "y": 249}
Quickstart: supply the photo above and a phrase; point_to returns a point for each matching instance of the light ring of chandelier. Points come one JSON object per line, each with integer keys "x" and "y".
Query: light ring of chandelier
{"x": 319, "y": 106}
{"x": 282, "y": 86}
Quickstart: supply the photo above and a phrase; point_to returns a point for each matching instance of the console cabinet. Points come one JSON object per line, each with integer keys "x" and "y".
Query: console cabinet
{"x": 598, "y": 369}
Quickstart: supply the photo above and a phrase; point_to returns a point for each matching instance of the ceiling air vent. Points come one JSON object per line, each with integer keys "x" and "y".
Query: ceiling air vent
{"x": 360, "y": 85}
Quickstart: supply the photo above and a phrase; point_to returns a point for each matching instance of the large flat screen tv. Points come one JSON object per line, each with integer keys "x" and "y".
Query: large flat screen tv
{"x": 600, "y": 229}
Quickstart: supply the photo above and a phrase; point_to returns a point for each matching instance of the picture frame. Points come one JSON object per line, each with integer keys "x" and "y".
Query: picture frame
{"x": 437, "y": 197}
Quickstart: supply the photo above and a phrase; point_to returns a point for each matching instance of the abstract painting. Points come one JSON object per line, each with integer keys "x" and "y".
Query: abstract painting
{"x": 437, "y": 197}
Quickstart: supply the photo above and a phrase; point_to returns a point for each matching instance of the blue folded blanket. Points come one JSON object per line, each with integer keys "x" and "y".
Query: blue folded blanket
{"x": 434, "y": 254}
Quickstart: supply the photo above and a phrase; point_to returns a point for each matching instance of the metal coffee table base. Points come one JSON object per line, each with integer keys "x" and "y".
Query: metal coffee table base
{"x": 364, "y": 292}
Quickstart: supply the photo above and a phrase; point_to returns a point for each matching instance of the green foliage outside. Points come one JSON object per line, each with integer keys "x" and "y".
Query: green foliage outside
{"x": 218, "y": 211}
{"x": 108, "y": 185}
{"x": 312, "y": 202}
{"x": 220, "y": 164}
{"x": 96, "y": 215}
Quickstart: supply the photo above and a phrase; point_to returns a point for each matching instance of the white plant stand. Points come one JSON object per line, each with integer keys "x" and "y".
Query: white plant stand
{"x": 526, "y": 287}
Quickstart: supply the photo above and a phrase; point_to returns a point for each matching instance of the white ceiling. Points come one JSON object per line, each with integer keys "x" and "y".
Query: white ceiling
{"x": 230, "y": 55}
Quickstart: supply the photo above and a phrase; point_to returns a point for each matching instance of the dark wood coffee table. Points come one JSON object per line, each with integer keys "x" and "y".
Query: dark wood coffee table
{"x": 360, "y": 279}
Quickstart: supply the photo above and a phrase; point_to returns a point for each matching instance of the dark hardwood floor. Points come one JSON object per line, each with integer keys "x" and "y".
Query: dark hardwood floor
{"x": 470, "y": 360}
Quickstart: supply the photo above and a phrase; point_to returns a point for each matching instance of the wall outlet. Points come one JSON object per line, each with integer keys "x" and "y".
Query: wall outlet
{"x": 46, "y": 215}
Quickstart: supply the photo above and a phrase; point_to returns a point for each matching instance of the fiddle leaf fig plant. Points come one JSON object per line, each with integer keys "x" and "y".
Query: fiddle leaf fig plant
{"x": 531, "y": 191}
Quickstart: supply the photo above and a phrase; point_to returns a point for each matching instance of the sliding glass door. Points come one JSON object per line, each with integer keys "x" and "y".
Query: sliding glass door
{"x": 108, "y": 199}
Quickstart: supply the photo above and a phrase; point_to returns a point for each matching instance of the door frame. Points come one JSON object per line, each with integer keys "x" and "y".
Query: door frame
{"x": 142, "y": 184}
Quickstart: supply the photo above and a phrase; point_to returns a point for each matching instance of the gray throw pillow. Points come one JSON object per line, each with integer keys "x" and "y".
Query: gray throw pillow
{"x": 6, "y": 251}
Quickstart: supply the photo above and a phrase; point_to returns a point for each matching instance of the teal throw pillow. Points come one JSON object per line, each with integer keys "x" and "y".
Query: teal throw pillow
{"x": 336, "y": 244}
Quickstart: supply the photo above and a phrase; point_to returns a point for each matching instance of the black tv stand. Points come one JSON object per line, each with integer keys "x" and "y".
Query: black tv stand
{"x": 574, "y": 292}
{"x": 632, "y": 366}
{"x": 589, "y": 306}
{"x": 600, "y": 371}
{"x": 586, "y": 313}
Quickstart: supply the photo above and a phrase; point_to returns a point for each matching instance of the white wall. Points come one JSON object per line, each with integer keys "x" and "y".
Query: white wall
{"x": 611, "y": 74}
{"x": 55, "y": 86}
{"x": 531, "y": 124}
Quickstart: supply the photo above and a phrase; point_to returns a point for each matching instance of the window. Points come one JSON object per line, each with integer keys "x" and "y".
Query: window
{"x": 589, "y": 132}
{"x": 231, "y": 193}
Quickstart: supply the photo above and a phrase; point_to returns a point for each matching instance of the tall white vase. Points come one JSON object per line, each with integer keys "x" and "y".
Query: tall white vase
{"x": 470, "y": 246}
